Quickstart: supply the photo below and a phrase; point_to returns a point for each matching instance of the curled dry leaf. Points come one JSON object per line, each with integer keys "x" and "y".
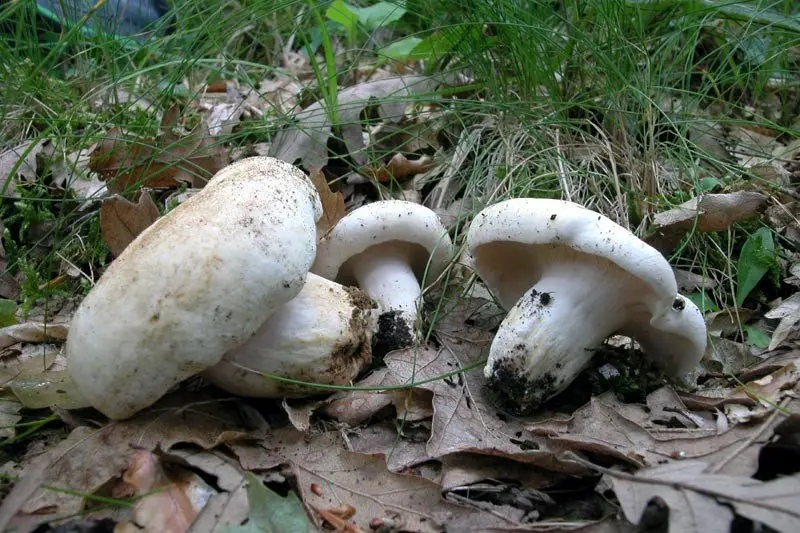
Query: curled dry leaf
{"x": 23, "y": 157}
{"x": 121, "y": 221}
{"x": 606, "y": 427}
{"x": 228, "y": 506}
{"x": 399, "y": 167}
{"x": 300, "y": 414}
{"x": 307, "y": 141}
{"x": 169, "y": 498}
{"x": 333, "y": 208}
{"x": 710, "y": 212}
{"x": 703, "y": 502}
{"x": 789, "y": 314}
{"x": 355, "y": 407}
{"x": 33, "y": 332}
{"x": 123, "y": 162}
{"x": 768, "y": 390}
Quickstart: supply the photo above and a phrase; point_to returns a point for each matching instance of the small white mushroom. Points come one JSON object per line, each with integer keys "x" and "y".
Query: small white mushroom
{"x": 198, "y": 282}
{"x": 386, "y": 248}
{"x": 323, "y": 335}
{"x": 572, "y": 277}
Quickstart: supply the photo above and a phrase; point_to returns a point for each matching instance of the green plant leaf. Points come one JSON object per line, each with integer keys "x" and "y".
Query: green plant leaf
{"x": 270, "y": 513}
{"x": 755, "y": 260}
{"x": 709, "y": 184}
{"x": 436, "y": 45}
{"x": 8, "y": 310}
{"x": 344, "y": 14}
{"x": 703, "y": 301}
{"x": 402, "y": 49}
{"x": 756, "y": 337}
{"x": 375, "y": 16}
{"x": 379, "y": 15}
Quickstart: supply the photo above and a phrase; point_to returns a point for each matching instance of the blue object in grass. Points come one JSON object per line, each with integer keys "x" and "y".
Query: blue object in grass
{"x": 123, "y": 18}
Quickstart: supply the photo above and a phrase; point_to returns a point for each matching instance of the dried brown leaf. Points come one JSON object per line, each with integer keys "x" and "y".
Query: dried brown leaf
{"x": 689, "y": 281}
{"x": 170, "y": 498}
{"x": 767, "y": 390}
{"x": 402, "y": 452}
{"x": 300, "y": 414}
{"x": 307, "y": 141}
{"x": 37, "y": 375}
{"x": 398, "y": 168}
{"x": 355, "y": 407}
{"x": 464, "y": 420}
{"x": 25, "y": 163}
{"x": 710, "y": 212}
{"x": 124, "y": 163}
{"x": 221, "y": 118}
{"x": 607, "y": 427}
{"x": 728, "y": 321}
{"x": 33, "y": 332}
{"x": 362, "y": 482}
{"x": 229, "y": 507}
{"x": 91, "y": 457}
{"x": 703, "y": 502}
{"x": 121, "y": 221}
{"x": 333, "y": 208}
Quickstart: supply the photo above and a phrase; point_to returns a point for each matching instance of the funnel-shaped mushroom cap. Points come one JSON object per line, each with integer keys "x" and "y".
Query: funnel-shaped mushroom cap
{"x": 386, "y": 248}
{"x": 323, "y": 335}
{"x": 571, "y": 277}
{"x": 195, "y": 284}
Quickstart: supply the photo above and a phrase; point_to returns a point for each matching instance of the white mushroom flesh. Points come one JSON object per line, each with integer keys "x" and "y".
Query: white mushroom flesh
{"x": 323, "y": 336}
{"x": 386, "y": 275}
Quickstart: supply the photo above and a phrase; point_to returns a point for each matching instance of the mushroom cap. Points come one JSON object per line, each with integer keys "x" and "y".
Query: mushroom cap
{"x": 323, "y": 335}
{"x": 513, "y": 241}
{"x": 403, "y": 227}
{"x": 198, "y": 282}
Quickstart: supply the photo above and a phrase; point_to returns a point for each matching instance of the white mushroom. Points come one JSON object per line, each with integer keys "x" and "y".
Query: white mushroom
{"x": 198, "y": 282}
{"x": 571, "y": 277}
{"x": 385, "y": 248}
{"x": 323, "y": 335}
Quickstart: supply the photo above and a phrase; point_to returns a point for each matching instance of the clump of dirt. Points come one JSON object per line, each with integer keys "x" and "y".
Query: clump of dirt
{"x": 394, "y": 333}
{"x": 510, "y": 390}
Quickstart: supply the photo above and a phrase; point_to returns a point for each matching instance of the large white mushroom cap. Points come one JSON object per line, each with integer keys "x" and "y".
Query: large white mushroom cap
{"x": 570, "y": 277}
{"x": 323, "y": 335}
{"x": 198, "y": 282}
{"x": 386, "y": 248}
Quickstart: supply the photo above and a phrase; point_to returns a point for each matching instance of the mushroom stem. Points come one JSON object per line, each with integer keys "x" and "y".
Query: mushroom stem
{"x": 386, "y": 276}
{"x": 549, "y": 335}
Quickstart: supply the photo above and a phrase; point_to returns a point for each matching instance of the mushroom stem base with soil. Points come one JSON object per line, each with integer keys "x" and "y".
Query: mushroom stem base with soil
{"x": 551, "y": 333}
{"x": 387, "y": 277}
